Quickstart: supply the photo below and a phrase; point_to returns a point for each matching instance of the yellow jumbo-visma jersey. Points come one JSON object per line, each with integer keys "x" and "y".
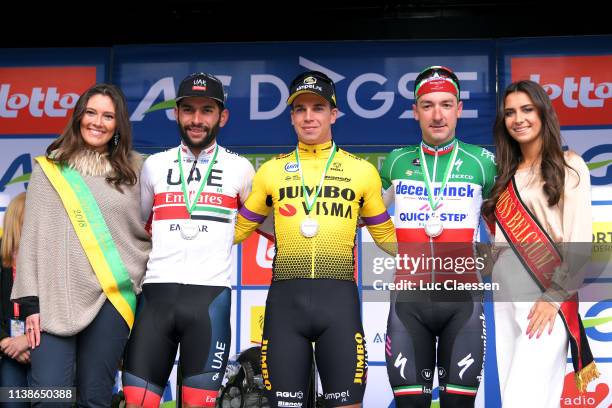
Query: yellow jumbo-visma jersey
{"x": 352, "y": 188}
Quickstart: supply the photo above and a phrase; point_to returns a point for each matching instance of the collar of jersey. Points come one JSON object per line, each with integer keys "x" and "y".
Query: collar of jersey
{"x": 314, "y": 151}
{"x": 187, "y": 154}
{"x": 441, "y": 150}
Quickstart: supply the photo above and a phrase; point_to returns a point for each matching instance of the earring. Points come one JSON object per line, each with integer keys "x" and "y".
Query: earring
{"x": 116, "y": 139}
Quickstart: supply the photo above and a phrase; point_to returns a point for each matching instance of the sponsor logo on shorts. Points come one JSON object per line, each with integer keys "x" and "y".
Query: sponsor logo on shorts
{"x": 441, "y": 372}
{"x": 289, "y": 404}
{"x": 340, "y": 396}
{"x": 265, "y": 374}
{"x": 426, "y": 374}
{"x": 290, "y": 394}
{"x": 361, "y": 367}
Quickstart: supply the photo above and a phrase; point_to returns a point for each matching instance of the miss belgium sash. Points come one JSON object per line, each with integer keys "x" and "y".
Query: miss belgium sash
{"x": 541, "y": 257}
{"x": 95, "y": 238}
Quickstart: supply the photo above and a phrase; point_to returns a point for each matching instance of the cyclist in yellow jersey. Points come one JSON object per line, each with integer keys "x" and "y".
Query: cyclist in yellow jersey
{"x": 317, "y": 192}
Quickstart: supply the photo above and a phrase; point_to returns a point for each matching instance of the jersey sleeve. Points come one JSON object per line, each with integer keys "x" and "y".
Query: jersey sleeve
{"x": 246, "y": 180}
{"x": 490, "y": 172}
{"x": 255, "y": 208}
{"x": 385, "y": 171}
{"x": 388, "y": 192}
{"x": 375, "y": 215}
{"x": 147, "y": 192}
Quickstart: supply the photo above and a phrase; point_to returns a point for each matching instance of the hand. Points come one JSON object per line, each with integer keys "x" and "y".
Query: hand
{"x": 24, "y": 358}
{"x": 4, "y": 343}
{"x": 542, "y": 314}
{"x": 15, "y": 346}
{"x": 33, "y": 330}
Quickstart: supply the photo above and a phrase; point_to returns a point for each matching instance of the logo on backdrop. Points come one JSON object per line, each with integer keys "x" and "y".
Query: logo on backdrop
{"x": 599, "y": 157}
{"x": 591, "y": 399}
{"x": 580, "y": 87}
{"x": 257, "y": 257}
{"x": 257, "y": 323}
{"x": 38, "y": 100}
{"x": 597, "y": 319}
{"x": 160, "y": 96}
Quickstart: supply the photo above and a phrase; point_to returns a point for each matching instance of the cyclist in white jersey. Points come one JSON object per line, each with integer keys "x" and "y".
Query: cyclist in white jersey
{"x": 190, "y": 196}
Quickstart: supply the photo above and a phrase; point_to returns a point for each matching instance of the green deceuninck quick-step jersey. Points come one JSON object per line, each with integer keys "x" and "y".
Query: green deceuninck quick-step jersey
{"x": 471, "y": 179}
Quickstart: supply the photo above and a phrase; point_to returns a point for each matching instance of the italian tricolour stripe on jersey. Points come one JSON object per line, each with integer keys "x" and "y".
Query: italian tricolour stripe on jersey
{"x": 459, "y": 210}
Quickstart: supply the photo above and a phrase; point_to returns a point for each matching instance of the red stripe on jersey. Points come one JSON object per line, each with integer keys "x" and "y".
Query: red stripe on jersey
{"x": 176, "y": 212}
{"x": 170, "y": 205}
{"x": 217, "y": 200}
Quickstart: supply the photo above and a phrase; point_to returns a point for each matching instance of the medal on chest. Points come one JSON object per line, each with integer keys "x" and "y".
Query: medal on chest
{"x": 309, "y": 227}
{"x": 433, "y": 226}
{"x": 189, "y": 227}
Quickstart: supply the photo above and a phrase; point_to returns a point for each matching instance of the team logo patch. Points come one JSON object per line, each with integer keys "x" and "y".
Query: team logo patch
{"x": 416, "y": 162}
{"x": 287, "y": 210}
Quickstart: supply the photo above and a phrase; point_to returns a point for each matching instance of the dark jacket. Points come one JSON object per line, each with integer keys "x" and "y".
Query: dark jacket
{"x": 6, "y": 310}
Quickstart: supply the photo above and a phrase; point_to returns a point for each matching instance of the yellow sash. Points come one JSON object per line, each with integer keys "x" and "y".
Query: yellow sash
{"x": 95, "y": 238}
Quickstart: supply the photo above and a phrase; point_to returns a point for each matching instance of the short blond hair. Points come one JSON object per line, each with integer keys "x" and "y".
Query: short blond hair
{"x": 13, "y": 219}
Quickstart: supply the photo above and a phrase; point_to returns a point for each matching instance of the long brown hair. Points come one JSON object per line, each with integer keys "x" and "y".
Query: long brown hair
{"x": 11, "y": 234}
{"x": 71, "y": 140}
{"x": 508, "y": 151}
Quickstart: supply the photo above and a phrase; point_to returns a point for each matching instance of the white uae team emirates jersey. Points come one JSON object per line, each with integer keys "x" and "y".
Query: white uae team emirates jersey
{"x": 205, "y": 259}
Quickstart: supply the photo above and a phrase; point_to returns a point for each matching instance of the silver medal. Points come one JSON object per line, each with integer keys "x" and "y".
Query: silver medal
{"x": 309, "y": 227}
{"x": 189, "y": 229}
{"x": 433, "y": 226}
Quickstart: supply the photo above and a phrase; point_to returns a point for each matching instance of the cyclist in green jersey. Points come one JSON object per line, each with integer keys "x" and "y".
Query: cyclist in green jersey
{"x": 437, "y": 188}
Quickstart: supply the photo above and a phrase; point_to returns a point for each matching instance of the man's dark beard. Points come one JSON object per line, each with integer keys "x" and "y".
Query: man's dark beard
{"x": 211, "y": 135}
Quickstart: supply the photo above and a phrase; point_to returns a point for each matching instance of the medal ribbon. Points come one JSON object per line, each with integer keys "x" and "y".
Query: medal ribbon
{"x": 427, "y": 179}
{"x": 309, "y": 205}
{"x": 190, "y": 207}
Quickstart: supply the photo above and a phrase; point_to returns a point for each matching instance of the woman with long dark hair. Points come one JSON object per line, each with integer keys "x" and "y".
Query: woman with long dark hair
{"x": 541, "y": 202}
{"x": 84, "y": 250}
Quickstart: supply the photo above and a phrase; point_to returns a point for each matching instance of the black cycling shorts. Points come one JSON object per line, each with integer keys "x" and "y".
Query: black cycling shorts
{"x": 325, "y": 312}
{"x": 194, "y": 316}
{"x": 412, "y": 330}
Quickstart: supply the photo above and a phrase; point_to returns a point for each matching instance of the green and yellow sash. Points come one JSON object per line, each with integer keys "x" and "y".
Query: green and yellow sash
{"x": 93, "y": 233}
